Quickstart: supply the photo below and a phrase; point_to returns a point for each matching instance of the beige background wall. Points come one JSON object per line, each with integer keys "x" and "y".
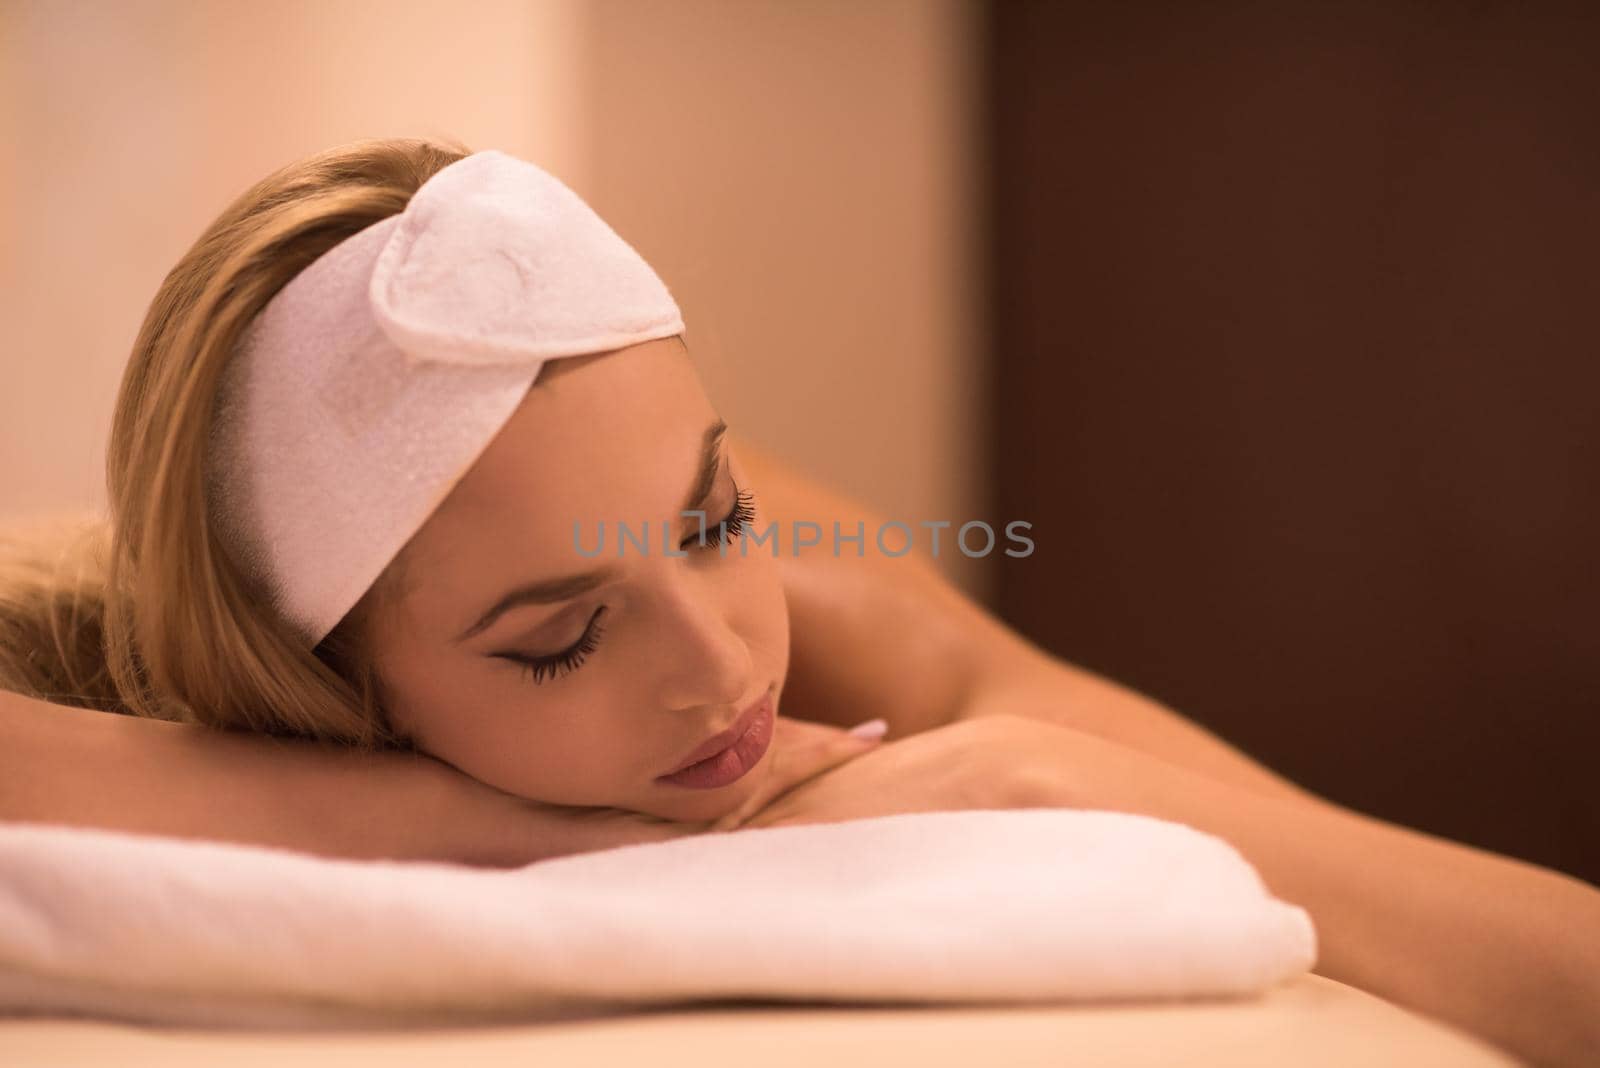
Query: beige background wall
{"x": 801, "y": 174}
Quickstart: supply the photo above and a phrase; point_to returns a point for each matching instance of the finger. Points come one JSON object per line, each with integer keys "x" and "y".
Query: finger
{"x": 628, "y": 827}
{"x": 735, "y": 819}
{"x": 840, "y": 748}
{"x": 799, "y": 763}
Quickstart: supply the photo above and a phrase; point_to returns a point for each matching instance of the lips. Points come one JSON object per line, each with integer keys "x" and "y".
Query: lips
{"x": 717, "y": 743}
{"x": 734, "y": 762}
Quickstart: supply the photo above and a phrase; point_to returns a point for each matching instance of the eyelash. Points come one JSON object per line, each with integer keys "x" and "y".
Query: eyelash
{"x": 539, "y": 668}
{"x": 737, "y": 521}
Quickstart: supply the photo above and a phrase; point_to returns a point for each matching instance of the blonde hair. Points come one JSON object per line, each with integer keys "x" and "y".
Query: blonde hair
{"x": 145, "y": 613}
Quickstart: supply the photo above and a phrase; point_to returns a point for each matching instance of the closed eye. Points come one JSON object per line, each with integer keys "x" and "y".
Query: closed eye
{"x": 540, "y": 668}
{"x": 735, "y": 523}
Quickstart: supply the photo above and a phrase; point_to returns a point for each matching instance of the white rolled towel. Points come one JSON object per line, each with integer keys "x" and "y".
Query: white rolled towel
{"x": 1036, "y": 905}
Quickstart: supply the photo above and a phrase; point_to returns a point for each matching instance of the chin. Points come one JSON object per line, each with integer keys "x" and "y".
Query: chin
{"x": 694, "y": 806}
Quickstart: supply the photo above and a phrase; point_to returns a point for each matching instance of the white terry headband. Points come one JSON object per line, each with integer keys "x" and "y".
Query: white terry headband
{"x": 368, "y": 386}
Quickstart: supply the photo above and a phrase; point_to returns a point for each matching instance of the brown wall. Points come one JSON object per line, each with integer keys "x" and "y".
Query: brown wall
{"x": 1297, "y": 364}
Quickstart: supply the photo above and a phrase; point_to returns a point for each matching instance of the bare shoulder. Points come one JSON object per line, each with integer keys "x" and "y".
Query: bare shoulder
{"x": 870, "y": 634}
{"x": 884, "y": 636}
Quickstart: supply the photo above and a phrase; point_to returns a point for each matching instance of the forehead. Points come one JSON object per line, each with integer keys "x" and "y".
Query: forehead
{"x": 612, "y": 437}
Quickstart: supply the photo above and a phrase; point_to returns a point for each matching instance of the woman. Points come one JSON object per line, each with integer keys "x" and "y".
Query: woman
{"x": 488, "y": 699}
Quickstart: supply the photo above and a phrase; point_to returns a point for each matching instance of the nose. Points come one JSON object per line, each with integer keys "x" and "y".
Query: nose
{"x": 705, "y": 661}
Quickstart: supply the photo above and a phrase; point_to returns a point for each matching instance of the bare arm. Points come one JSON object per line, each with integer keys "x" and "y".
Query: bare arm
{"x": 74, "y": 766}
{"x": 1507, "y": 950}
{"x": 886, "y": 636}
{"x": 1032, "y": 684}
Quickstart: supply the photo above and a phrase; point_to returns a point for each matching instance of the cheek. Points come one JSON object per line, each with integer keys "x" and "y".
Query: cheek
{"x": 443, "y": 710}
{"x": 556, "y": 746}
{"x": 765, "y": 609}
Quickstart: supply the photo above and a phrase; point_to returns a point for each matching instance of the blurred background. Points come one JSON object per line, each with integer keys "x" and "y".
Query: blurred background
{"x": 1278, "y": 321}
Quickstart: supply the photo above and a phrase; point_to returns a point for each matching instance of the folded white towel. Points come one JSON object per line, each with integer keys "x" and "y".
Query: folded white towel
{"x": 969, "y": 906}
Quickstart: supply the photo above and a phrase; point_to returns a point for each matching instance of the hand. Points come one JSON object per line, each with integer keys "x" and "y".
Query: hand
{"x": 972, "y": 763}
{"x": 801, "y": 751}
{"x": 994, "y": 761}
{"x": 535, "y": 830}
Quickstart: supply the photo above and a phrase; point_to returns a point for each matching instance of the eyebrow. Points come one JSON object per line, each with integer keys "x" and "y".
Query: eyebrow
{"x": 566, "y": 587}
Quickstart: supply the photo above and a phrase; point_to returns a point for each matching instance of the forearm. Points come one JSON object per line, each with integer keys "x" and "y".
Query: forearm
{"x": 1503, "y": 949}
{"x": 1507, "y": 950}
{"x": 1023, "y": 681}
{"x": 84, "y": 768}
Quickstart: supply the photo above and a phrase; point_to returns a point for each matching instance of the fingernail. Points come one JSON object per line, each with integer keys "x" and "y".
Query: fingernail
{"x": 872, "y": 728}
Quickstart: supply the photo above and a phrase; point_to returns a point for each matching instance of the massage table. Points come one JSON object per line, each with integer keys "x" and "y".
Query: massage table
{"x": 1308, "y": 1022}
{"x": 956, "y": 938}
